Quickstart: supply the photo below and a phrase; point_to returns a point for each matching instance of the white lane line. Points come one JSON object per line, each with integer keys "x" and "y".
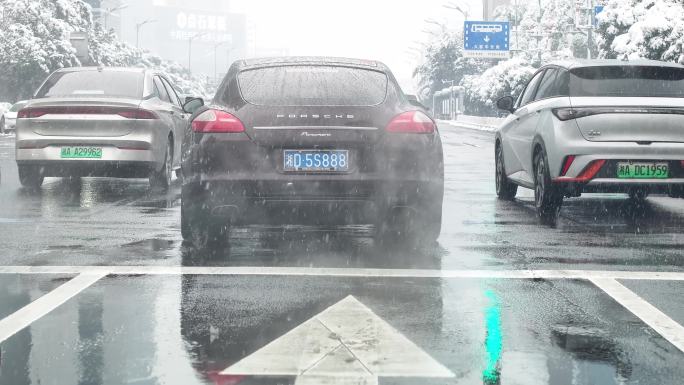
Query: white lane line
{"x": 345, "y": 272}
{"x": 45, "y": 304}
{"x": 647, "y": 313}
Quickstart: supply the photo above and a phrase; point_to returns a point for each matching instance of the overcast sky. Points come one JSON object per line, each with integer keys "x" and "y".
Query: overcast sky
{"x": 369, "y": 29}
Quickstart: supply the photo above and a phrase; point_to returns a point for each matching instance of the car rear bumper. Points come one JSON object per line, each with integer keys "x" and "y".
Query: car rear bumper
{"x": 138, "y": 152}
{"x": 319, "y": 201}
{"x": 128, "y": 158}
{"x": 93, "y": 168}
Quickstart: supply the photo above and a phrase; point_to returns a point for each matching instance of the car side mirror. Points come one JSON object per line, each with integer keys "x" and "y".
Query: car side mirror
{"x": 192, "y": 104}
{"x": 506, "y": 104}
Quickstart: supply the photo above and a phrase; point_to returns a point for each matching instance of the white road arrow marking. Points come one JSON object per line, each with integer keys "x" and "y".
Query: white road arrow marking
{"x": 345, "y": 344}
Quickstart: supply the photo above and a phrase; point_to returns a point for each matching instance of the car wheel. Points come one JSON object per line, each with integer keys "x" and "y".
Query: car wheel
{"x": 505, "y": 190}
{"x": 30, "y": 176}
{"x": 676, "y": 192}
{"x": 197, "y": 226}
{"x": 421, "y": 225}
{"x": 162, "y": 179}
{"x": 392, "y": 227}
{"x": 179, "y": 175}
{"x": 547, "y": 198}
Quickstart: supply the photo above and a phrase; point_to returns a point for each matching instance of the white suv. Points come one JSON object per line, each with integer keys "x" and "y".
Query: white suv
{"x": 593, "y": 126}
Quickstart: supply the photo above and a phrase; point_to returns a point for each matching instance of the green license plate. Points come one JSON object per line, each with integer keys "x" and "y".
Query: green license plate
{"x": 79, "y": 152}
{"x": 643, "y": 170}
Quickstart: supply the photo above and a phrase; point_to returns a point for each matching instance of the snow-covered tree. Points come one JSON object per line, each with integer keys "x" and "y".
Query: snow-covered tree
{"x": 506, "y": 78}
{"x": 443, "y": 60}
{"x": 546, "y": 31}
{"x": 105, "y": 49}
{"x": 549, "y": 35}
{"x": 651, "y": 29}
{"x": 34, "y": 42}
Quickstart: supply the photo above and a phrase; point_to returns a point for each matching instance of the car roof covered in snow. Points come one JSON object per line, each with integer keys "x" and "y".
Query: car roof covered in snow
{"x": 582, "y": 63}
{"x": 310, "y": 60}
{"x": 92, "y": 68}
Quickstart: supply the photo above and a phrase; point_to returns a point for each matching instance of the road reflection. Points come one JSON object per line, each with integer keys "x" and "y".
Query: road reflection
{"x": 493, "y": 340}
{"x": 600, "y": 211}
{"x": 224, "y": 319}
{"x": 309, "y": 246}
{"x": 595, "y": 230}
{"x": 595, "y": 355}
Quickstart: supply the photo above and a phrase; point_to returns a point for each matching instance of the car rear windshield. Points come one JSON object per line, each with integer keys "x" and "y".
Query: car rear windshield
{"x": 313, "y": 85}
{"x": 93, "y": 83}
{"x": 17, "y": 106}
{"x": 635, "y": 81}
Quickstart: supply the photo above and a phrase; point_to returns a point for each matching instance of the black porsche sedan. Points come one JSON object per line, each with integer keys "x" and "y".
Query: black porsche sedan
{"x": 311, "y": 140}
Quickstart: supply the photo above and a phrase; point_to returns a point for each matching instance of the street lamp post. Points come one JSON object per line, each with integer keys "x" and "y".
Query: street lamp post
{"x": 215, "y": 55}
{"x": 137, "y": 30}
{"x": 108, "y": 11}
{"x": 228, "y": 51}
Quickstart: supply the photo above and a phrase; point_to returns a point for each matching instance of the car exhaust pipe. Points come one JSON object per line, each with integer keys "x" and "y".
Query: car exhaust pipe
{"x": 402, "y": 210}
{"x": 226, "y": 211}
{"x": 402, "y": 213}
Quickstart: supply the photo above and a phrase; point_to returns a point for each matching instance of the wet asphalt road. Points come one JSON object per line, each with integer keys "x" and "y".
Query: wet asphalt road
{"x": 175, "y": 328}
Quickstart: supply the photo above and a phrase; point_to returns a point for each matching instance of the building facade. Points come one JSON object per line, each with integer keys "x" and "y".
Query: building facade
{"x": 201, "y": 34}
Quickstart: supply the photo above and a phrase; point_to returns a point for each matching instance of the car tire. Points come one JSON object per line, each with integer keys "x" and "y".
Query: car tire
{"x": 197, "y": 226}
{"x": 30, "y": 176}
{"x": 505, "y": 189}
{"x": 548, "y": 198}
{"x": 420, "y": 223}
{"x": 676, "y": 192}
{"x": 162, "y": 179}
{"x": 179, "y": 176}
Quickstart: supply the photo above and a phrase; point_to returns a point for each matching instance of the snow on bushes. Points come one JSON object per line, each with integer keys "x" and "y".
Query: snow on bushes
{"x": 506, "y": 78}
{"x": 649, "y": 29}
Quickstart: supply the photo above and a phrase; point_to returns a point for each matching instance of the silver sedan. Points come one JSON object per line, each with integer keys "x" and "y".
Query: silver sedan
{"x": 594, "y": 126}
{"x": 112, "y": 122}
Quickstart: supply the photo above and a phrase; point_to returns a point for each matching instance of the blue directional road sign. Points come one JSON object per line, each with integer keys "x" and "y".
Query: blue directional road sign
{"x": 486, "y": 39}
{"x": 597, "y": 9}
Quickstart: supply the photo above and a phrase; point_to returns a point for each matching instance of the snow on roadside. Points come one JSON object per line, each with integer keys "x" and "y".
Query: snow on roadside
{"x": 480, "y": 123}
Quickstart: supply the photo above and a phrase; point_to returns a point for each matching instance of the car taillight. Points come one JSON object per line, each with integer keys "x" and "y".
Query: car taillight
{"x": 412, "y": 122}
{"x": 568, "y": 113}
{"x": 129, "y": 113}
{"x": 137, "y": 113}
{"x": 566, "y": 165}
{"x": 217, "y": 121}
{"x": 591, "y": 170}
{"x": 587, "y": 174}
{"x": 27, "y": 113}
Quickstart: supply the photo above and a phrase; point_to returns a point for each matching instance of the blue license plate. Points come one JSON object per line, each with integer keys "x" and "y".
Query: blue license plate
{"x": 316, "y": 160}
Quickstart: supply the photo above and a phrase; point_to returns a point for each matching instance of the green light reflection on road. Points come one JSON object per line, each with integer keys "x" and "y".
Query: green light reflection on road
{"x": 493, "y": 340}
